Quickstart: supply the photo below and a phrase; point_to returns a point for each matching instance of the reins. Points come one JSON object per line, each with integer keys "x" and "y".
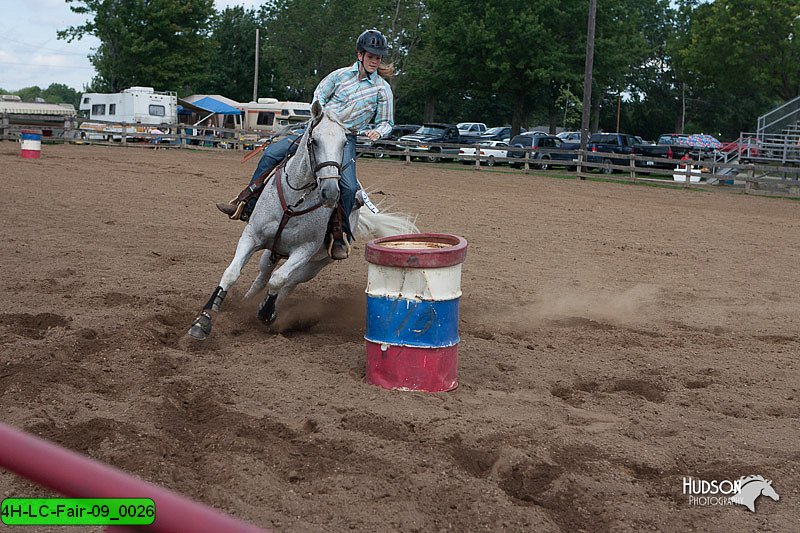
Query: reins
{"x": 289, "y": 210}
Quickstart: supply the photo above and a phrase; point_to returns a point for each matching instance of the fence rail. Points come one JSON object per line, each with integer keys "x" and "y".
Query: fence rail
{"x": 757, "y": 177}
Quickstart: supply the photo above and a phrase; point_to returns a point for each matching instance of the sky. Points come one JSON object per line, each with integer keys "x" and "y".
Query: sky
{"x": 31, "y": 54}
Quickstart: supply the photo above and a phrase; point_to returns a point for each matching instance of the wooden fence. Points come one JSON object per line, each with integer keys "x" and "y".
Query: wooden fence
{"x": 755, "y": 178}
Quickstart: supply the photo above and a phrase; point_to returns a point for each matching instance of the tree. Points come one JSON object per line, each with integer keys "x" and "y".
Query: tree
{"x": 58, "y": 93}
{"x": 737, "y": 59}
{"x": 29, "y": 94}
{"x": 159, "y": 43}
{"x": 475, "y": 49}
{"x": 232, "y": 43}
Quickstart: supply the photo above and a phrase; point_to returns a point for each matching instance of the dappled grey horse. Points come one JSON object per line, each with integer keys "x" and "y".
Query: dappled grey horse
{"x": 290, "y": 221}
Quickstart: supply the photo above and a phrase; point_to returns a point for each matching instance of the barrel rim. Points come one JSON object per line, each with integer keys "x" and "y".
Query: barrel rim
{"x": 417, "y": 257}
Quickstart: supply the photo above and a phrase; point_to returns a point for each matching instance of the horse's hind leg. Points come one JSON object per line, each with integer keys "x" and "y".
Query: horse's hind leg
{"x": 201, "y": 327}
{"x": 265, "y": 267}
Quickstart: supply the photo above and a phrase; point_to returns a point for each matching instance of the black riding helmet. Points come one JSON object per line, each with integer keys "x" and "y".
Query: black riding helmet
{"x": 374, "y": 42}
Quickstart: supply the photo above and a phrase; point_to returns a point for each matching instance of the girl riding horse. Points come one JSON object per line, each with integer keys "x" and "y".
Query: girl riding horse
{"x": 358, "y": 92}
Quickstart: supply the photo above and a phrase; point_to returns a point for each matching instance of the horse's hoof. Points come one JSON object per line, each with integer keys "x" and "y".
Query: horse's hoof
{"x": 267, "y": 317}
{"x": 266, "y": 311}
{"x": 201, "y": 327}
{"x": 197, "y": 333}
{"x": 270, "y": 319}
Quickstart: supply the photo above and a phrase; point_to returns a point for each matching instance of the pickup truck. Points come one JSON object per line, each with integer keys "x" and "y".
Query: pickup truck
{"x": 622, "y": 143}
{"x": 425, "y": 142}
{"x": 668, "y": 147}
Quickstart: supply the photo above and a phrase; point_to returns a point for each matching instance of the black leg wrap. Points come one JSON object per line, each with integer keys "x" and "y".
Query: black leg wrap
{"x": 201, "y": 327}
{"x": 266, "y": 312}
{"x": 216, "y": 299}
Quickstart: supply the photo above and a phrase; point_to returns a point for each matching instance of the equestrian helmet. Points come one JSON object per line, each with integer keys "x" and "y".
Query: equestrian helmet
{"x": 374, "y": 42}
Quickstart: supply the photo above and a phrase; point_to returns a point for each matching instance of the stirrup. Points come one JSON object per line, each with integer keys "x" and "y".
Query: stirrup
{"x": 237, "y": 215}
{"x": 348, "y": 248}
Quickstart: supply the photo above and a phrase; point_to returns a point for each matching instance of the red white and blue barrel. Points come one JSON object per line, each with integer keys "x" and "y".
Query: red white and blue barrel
{"x": 31, "y": 142}
{"x": 413, "y": 293}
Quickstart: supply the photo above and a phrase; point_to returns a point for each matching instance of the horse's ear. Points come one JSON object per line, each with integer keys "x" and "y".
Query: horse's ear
{"x": 316, "y": 109}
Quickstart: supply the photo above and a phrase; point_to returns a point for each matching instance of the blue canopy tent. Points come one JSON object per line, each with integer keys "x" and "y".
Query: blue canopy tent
{"x": 200, "y": 113}
{"x": 207, "y": 107}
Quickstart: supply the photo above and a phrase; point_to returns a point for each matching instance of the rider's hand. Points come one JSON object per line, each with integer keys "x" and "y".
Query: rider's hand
{"x": 373, "y": 135}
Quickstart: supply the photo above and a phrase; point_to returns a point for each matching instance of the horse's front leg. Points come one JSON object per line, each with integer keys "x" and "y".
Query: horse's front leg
{"x": 248, "y": 244}
{"x": 265, "y": 267}
{"x": 298, "y": 268}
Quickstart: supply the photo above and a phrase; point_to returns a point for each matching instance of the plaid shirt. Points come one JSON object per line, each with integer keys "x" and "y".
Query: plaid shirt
{"x": 371, "y": 99}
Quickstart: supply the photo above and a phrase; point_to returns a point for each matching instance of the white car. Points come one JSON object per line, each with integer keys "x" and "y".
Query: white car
{"x": 471, "y": 128}
{"x": 490, "y": 152}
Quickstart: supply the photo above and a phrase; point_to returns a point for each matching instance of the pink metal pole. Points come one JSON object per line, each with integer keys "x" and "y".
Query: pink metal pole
{"x": 77, "y": 476}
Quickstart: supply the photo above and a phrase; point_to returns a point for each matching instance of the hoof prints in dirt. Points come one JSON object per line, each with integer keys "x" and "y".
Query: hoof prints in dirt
{"x": 33, "y": 326}
{"x": 85, "y": 437}
{"x": 565, "y": 487}
{"x": 574, "y": 395}
{"x": 194, "y": 421}
{"x": 167, "y": 329}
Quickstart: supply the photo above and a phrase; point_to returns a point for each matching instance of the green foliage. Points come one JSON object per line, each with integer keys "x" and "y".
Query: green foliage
{"x": 233, "y": 45}
{"x": 736, "y": 57}
{"x": 158, "y": 43}
{"x": 56, "y": 93}
{"x": 500, "y": 62}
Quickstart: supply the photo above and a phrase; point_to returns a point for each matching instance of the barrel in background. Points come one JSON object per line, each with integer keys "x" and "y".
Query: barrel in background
{"x": 31, "y": 144}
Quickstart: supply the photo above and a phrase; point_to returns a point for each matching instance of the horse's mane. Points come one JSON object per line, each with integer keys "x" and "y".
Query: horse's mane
{"x": 747, "y": 479}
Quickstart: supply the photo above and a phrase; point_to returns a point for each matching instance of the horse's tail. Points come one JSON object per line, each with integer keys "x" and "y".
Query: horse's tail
{"x": 375, "y": 225}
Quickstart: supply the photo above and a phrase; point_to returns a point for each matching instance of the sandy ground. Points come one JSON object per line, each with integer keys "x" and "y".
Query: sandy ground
{"x": 614, "y": 339}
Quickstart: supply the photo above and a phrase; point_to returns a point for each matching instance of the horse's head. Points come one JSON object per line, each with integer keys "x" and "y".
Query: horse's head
{"x": 768, "y": 491}
{"x": 326, "y": 140}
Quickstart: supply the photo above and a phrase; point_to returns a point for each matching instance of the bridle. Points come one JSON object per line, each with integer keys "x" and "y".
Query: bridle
{"x": 291, "y": 211}
{"x": 316, "y": 167}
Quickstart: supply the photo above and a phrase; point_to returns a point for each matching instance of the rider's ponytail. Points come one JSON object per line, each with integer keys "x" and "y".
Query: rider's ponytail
{"x": 386, "y": 70}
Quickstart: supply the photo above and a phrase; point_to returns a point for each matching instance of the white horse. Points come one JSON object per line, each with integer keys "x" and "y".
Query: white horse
{"x": 290, "y": 221}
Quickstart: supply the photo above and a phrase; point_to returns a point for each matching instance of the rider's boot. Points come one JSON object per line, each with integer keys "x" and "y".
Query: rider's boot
{"x": 338, "y": 247}
{"x": 240, "y": 209}
{"x": 230, "y": 209}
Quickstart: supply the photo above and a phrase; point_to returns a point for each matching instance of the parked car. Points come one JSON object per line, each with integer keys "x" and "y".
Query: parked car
{"x": 540, "y": 154}
{"x": 389, "y": 143}
{"x": 489, "y": 152}
{"x": 570, "y": 136}
{"x": 425, "y": 140}
{"x": 499, "y": 133}
{"x": 623, "y": 144}
{"x": 609, "y": 143}
{"x": 471, "y": 128}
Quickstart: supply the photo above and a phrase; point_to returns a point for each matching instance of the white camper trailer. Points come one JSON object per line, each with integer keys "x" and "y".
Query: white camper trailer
{"x": 270, "y": 115}
{"x": 139, "y": 108}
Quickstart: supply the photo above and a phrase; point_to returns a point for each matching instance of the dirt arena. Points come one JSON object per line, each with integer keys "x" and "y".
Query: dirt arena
{"x": 614, "y": 339}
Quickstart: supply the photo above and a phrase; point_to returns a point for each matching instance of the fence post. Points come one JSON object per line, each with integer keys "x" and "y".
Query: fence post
{"x": 688, "y": 178}
{"x": 527, "y": 165}
{"x": 579, "y": 166}
{"x": 751, "y": 176}
{"x": 633, "y": 166}
{"x": 124, "y": 138}
{"x": 407, "y": 150}
{"x": 477, "y": 158}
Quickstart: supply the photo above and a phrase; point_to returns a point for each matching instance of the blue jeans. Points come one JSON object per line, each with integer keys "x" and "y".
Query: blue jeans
{"x": 348, "y": 184}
